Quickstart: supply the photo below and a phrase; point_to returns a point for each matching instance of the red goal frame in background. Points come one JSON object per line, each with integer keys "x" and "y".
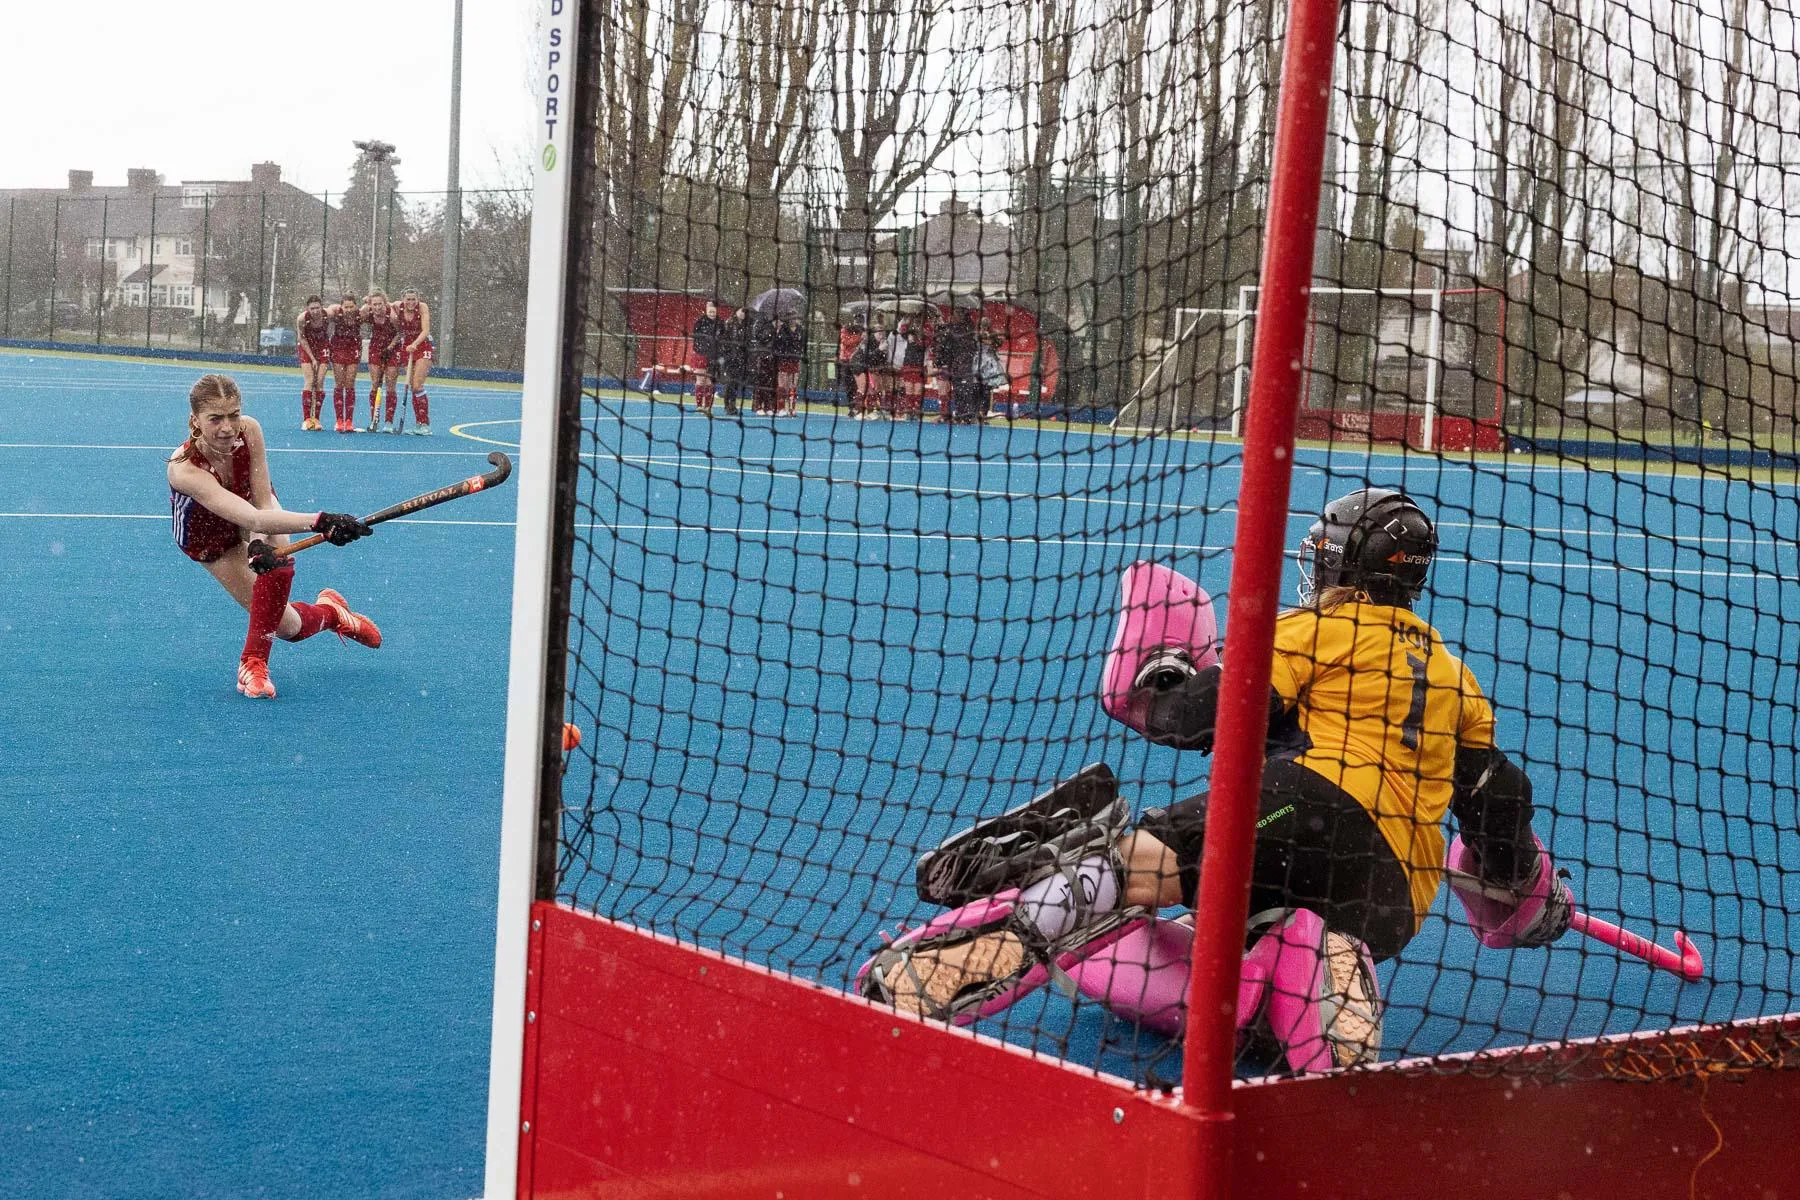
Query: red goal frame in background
{"x": 626, "y": 1064}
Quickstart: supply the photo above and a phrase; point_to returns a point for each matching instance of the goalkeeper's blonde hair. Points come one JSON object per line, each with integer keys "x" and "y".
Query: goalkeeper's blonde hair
{"x": 1329, "y": 598}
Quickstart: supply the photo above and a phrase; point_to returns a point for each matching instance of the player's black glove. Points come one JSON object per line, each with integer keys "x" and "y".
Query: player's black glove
{"x": 340, "y": 529}
{"x": 265, "y": 558}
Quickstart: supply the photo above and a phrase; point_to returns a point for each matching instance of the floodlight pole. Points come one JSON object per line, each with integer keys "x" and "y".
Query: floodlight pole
{"x": 1223, "y": 905}
{"x": 446, "y": 323}
{"x": 280, "y": 227}
{"x": 375, "y": 155}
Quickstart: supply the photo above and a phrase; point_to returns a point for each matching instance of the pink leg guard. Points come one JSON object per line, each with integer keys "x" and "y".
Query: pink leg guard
{"x": 1324, "y": 1006}
{"x": 1158, "y": 608}
{"x": 1143, "y": 976}
{"x": 1315, "y": 990}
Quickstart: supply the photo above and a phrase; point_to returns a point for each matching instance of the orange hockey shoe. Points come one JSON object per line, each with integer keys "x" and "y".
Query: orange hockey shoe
{"x": 351, "y": 625}
{"x": 253, "y": 679}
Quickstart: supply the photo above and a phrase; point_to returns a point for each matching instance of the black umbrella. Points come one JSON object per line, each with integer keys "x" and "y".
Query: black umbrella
{"x": 780, "y": 303}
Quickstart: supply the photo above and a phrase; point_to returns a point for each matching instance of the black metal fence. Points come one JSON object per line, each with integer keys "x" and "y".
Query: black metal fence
{"x": 227, "y": 270}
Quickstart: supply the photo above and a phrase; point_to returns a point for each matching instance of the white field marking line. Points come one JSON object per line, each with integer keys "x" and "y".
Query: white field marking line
{"x": 21, "y": 358}
{"x": 1409, "y": 464}
{"x": 462, "y": 389}
{"x": 1200, "y": 548}
{"x": 890, "y": 486}
{"x": 81, "y": 516}
{"x": 696, "y": 461}
{"x": 688, "y": 460}
{"x": 1775, "y": 541}
{"x": 165, "y": 451}
{"x": 747, "y": 531}
{"x": 1409, "y": 460}
{"x": 692, "y": 462}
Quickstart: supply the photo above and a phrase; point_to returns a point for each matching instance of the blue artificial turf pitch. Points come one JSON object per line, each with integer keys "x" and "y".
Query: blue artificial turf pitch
{"x": 249, "y": 945}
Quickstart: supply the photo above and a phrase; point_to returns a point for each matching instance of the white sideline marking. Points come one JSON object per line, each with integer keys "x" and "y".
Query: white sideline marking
{"x": 1408, "y": 460}
{"x": 165, "y": 451}
{"x": 683, "y": 461}
{"x": 1747, "y": 572}
{"x": 83, "y": 516}
{"x": 690, "y": 462}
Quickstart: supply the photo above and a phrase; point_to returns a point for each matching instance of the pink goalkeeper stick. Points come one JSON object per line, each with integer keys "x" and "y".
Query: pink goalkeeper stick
{"x": 1687, "y": 963}
{"x": 1684, "y": 960}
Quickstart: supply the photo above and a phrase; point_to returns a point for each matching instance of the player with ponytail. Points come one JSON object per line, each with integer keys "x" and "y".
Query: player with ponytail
{"x": 221, "y": 500}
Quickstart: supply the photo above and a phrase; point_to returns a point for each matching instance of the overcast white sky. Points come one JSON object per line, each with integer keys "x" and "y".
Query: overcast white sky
{"x": 200, "y": 89}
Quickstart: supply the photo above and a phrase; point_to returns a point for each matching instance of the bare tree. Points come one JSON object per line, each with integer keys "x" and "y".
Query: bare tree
{"x": 1554, "y": 131}
{"x": 645, "y": 76}
{"x": 1502, "y": 63}
{"x": 1146, "y": 67}
{"x": 1205, "y": 189}
{"x": 1238, "y": 55}
{"x": 1038, "y": 79}
{"x": 898, "y": 79}
{"x": 770, "y": 51}
{"x": 1385, "y": 120}
{"x": 1715, "y": 120}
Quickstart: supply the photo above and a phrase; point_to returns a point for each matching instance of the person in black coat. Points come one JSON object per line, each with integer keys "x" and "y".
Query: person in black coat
{"x": 763, "y": 327}
{"x": 790, "y": 350}
{"x": 873, "y": 373}
{"x": 955, "y": 358}
{"x": 706, "y": 341}
{"x": 850, "y": 339}
{"x": 734, "y": 359}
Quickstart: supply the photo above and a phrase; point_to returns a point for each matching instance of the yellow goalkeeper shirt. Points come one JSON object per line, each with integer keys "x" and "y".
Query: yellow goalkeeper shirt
{"x": 1383, "y": 705}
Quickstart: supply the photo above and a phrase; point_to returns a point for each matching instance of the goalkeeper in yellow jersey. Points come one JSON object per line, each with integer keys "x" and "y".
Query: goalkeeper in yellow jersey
{"x": 1376, "y": 732}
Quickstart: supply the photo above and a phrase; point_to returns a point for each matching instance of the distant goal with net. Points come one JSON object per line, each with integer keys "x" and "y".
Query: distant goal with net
{"x": 1418, "y": 367}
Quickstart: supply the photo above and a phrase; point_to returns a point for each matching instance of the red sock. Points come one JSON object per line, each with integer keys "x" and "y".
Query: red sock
{"x": 393, "y": 402}
{"x": 268, "y": 602}
{"x": 421, "y": 408}
{"x": 350, "y": 402}
{"x": 313, "y": 619}
{"x": 337, "y": 403}
{"x": 305, "y": 405}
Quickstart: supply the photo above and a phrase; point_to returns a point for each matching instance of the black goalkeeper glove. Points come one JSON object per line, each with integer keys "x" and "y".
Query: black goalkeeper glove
{"x": 340, "y": 529}
{"x": 265, "y": 558}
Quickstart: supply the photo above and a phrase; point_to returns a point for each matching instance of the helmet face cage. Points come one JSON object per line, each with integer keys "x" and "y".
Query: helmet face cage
{"x": 1307, "y": 557}
{"x": 1376, "y": 540}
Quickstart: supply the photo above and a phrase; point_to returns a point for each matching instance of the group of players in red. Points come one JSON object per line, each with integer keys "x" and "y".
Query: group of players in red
{"x": 332, "y": 336}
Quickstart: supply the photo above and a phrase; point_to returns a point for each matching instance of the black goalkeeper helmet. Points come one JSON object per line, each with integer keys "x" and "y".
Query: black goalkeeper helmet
{"x": 1375, "y": 540}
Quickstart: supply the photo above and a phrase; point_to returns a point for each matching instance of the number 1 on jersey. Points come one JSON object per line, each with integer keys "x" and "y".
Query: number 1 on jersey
{"x": 1414, "y": 725}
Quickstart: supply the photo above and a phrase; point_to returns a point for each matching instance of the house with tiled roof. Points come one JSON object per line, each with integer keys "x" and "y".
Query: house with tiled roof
{"x": 150, "y": 243}
{"x": 954, "y": 249}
